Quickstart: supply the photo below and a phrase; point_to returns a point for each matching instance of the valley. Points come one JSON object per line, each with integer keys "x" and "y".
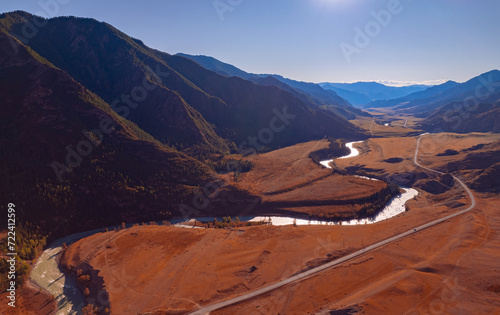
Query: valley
{"x": 291, "y": 183}
{"x": 144, "y": 182}
{"x": 253, "y": 255}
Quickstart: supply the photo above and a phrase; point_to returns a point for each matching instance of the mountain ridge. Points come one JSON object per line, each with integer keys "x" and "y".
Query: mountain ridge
{"x": 73, "y": 155}
{"x": 110, "y": 62}
{"x": 315, "y": 93}
{"x": 413, "y": 96}
{"x": 450, "y": 92}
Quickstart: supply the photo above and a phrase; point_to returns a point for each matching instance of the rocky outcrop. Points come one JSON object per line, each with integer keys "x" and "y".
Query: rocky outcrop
{"x": 448, "y": 152}
{"x": 436, "y": 185}
{"x": 489, "y": 180}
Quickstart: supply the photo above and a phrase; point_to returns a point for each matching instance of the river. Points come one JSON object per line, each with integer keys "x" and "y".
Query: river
{"x": 47, "y": 275}
{"x": 70, "y": 300}
{"x": 394, "y": 207}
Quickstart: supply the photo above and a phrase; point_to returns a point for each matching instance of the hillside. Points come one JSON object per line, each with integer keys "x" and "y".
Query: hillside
{"x": 126, "y": 75}
{"x": 188, "y": 106}
{"x": 272, "y": 81}
{"x": 220, "y": 67}
{"x": 355, "y": 98}
{"x": 457, "y": 117}
{"x": 323, "y": 97}
{"x": 72, "y": 163}
{"x": 254, "y": 106}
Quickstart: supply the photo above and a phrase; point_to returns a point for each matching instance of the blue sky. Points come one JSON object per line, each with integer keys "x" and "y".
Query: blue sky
{"x": 310, "y": 40}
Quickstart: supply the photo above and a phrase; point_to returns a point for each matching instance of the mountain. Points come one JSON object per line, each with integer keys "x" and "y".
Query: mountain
{"x": 402, "y": 101}
{"x": 472, "y": 106}
{"x": 374, "y": 90}
{"x": 127, "y": 75}
{"x": 93, "y": 124}
{"x": 480, "y": 89}
{"x": 463, "y": 117}
{"x": 256, "y": 106}
{"x": 347, "y": 112}
{"x": 272, "y": 81}
{"x": 220, "y": 67}
{"x": 69, "y": 162}
{"x": 355, "y": 98}
{"x": 174, "y": 99}
{"x": 315, "y": 93}
{"x": 323, "y": 97}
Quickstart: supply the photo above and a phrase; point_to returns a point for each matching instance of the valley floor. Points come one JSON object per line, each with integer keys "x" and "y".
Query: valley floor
{"x": 288, "y": 181}
{"x": 447, "y": 269}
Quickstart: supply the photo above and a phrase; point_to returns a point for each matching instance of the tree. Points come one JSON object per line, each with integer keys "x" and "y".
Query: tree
{"x": 86, "y": 292}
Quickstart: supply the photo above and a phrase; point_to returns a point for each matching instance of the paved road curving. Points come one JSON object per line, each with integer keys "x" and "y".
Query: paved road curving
{"x": 307, "y": 274}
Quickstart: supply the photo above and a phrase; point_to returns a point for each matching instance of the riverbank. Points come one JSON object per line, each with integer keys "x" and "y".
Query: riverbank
{"x": 290, "y": 183}
{"x": 168, "y": 269}
{"x": 48, "y": 275}
{"x": 71, "y": 299}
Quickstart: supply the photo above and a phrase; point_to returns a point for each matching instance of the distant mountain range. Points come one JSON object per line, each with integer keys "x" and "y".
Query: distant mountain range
{"x": 455, "y": 107}
{"x": 362, "y": 93}
{"x": 481, "y": 88}
{"x": 402, "y": 101}
{"x": 472, "y": 106}
{"x": 336, "y": 94}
